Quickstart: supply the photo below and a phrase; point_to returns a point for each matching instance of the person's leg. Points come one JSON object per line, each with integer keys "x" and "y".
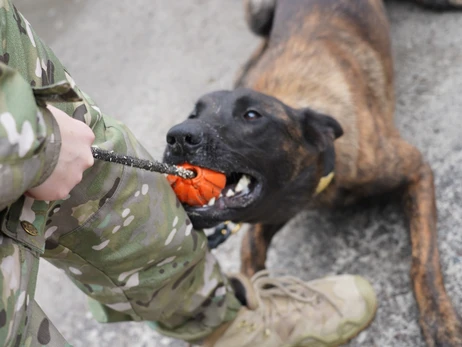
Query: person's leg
{"x": 22, "y": 322}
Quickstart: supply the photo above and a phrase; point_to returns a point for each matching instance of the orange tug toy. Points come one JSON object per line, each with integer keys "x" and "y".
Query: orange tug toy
{"x": 199, "y": 190}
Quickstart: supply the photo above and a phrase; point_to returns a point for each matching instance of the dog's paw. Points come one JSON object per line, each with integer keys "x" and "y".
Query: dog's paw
{"x": 441, "y": 330}
{"x": 259, "y": 15}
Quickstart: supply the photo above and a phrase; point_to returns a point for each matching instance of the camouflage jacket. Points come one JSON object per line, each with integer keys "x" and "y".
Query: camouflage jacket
{"x": 121, "y": 236}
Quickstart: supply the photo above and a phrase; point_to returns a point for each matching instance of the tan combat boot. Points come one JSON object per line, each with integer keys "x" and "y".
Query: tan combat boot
{"x": 287, "y": 312}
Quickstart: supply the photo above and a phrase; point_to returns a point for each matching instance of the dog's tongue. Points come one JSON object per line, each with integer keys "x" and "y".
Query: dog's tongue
{"x": 199, "y": 190}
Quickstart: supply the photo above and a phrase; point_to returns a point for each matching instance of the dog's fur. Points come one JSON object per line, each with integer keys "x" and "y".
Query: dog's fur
{"x": 323, "y": 70}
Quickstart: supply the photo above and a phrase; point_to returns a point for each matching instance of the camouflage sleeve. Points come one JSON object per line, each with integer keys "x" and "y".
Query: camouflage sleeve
{"x": 29, "y": 137}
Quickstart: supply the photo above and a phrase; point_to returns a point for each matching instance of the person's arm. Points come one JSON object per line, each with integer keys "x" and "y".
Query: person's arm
{"x": 43, "y": 151}
{"x": 30, "y": 139}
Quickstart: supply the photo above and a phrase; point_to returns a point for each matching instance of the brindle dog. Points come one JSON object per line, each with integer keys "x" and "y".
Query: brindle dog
{"x": 311, "y": 124}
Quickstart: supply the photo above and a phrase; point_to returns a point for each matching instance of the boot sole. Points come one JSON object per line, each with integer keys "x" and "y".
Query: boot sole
{"x": 337, "y": 344}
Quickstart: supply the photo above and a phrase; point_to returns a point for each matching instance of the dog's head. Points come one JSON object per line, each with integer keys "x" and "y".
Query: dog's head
{"x": 270, "y": 153}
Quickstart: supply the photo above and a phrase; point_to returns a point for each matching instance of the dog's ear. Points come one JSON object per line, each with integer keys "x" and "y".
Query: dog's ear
{"x": 319, "y": 129}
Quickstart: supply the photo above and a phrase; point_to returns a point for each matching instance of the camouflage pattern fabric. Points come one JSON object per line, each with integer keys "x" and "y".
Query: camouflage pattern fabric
{"x": 121, "y": 235}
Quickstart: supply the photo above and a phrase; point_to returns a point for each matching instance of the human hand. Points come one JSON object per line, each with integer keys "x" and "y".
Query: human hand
{"x": 74, "y": 158}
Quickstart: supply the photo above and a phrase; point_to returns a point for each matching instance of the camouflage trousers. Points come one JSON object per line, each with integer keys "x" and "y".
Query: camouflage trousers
{"x": 121, "y": 235}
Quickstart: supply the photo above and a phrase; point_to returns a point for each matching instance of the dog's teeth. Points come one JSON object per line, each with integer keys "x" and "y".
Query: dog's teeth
{"x": 230, "y": 193}
{"x": 243, "y": 184}
{"x": 212, "y": 202}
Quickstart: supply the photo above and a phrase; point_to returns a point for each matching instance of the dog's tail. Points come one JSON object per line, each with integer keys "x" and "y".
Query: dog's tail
{"x": 259, "y": 15}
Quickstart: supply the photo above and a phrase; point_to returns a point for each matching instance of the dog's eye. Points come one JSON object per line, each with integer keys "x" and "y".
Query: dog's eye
{"x": 251, "y": 115}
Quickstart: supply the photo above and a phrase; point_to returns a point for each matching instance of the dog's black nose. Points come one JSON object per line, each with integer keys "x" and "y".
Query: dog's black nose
{"x": 184, "y": 138}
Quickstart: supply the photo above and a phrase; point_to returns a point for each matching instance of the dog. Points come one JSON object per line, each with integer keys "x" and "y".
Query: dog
{"x": 310, "y": 124}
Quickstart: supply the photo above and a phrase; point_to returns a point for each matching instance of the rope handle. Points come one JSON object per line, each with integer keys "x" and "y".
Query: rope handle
{"x": 127, "y": 160}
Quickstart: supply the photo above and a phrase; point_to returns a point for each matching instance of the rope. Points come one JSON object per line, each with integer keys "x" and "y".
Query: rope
{"x": 155, "y": 166}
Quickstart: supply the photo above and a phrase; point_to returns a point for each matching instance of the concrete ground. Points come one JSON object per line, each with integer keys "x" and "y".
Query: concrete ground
{"x": 146, "y": 62}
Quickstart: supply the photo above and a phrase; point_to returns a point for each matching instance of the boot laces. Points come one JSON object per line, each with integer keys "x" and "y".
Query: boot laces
{"x": 299, "y": 292}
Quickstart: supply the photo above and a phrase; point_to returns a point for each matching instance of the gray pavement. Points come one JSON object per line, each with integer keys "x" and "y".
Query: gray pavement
{"x": 147, "y": 61}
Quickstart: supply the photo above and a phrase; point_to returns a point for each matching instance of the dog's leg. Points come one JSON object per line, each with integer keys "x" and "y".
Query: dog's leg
{"x": 401, "y": 165}
{"x": 439, "y": 321}
{"x": 255, "y": 247}
{"x": 441, "y": 4}
{"x": 259, "y": 15}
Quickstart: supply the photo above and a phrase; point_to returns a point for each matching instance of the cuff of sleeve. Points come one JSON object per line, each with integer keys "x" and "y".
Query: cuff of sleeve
{"x": 104, "y": 314}
{"x": 52, "y": 145}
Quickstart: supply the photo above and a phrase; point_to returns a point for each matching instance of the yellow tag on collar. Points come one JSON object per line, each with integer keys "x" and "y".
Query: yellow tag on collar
{"x": 324, "y": 182}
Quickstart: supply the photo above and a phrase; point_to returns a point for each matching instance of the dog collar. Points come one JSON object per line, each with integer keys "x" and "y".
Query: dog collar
{"x": 324, "y": 183}
{"x": 328, "y": 163}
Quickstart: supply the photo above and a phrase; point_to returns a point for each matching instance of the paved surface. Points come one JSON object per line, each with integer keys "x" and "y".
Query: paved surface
{"x": 147, "y": 61}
